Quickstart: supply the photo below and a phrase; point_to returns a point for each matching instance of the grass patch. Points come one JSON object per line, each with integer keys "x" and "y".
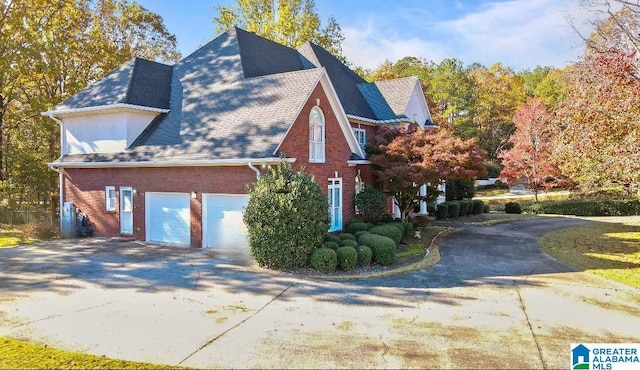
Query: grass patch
{"x": 21, "y": 355}
{"x": 9, "y": 238}
{"x": 487, "y": 218}
{"x": 498, "y": 202}
{"x": 607, "y": 249}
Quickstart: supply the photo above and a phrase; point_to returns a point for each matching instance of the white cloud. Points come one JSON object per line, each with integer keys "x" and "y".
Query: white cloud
{"x": 518, "y": 33}
{"x": 368, "y": 46}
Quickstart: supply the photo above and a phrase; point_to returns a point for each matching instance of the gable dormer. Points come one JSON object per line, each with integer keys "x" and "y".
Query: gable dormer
{"x": 108, "y": 116}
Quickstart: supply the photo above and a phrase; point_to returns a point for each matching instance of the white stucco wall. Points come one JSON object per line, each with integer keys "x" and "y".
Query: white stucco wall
{"x": 103, "y": 133}
{"x": 417, "y": 109}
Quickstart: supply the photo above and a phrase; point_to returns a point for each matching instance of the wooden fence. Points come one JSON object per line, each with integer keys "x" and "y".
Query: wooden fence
{"x": 20, "y": 217}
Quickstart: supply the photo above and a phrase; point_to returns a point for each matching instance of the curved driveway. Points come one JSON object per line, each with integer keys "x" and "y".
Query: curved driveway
{"x": 494, "y": 301}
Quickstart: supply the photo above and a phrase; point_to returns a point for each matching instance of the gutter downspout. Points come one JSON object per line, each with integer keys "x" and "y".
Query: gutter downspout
{"x": 57, "y": 170}
{"x": 254, "y": 168}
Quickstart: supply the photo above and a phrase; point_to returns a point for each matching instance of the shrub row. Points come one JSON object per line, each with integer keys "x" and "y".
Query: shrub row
{"x": 453, "y": 209}
{"x": 588, "y": 207}
{"x": 346, "y": 258}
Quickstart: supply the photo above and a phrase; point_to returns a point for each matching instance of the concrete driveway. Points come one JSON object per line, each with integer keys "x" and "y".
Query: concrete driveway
{"x": 494, "y": 301}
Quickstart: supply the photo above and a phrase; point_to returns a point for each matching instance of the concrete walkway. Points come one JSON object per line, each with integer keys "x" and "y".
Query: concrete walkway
{"x": 494, "y": 301}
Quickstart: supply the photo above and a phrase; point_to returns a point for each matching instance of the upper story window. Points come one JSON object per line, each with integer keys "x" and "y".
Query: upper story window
{"x": 361, "y": 136}
{"x": 316, "y": 135}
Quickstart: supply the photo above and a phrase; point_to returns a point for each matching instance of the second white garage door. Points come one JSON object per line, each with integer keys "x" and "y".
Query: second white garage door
{"x": 222, "y": 223}
{"x": 167, "y": 218}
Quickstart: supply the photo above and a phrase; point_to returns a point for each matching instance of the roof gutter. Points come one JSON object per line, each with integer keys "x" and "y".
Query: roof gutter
{"x": 179, "y": 163}
{"x": 377, "y": 121}
{"x": 99, "y": 108}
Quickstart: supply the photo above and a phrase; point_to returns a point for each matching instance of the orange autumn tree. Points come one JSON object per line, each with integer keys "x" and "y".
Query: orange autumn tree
{"x": 530, "y": 158}
{"x": 406, "y": 158}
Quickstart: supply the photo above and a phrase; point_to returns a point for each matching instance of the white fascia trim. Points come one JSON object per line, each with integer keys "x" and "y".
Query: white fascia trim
{"x": 179, "y": 163}
{"x": 377, "y": 121}
{"x": 356, "y": 162}
{"x": 99, "y": 108}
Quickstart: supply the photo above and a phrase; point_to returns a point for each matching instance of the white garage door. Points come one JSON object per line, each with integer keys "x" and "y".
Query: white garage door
{"x": 223, "y": 227}
{"x": 167, "y": 218}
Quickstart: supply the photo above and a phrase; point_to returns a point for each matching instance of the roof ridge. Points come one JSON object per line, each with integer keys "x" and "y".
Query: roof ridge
{"x": 130, "y": 82}
{"x": 301, "y": 71}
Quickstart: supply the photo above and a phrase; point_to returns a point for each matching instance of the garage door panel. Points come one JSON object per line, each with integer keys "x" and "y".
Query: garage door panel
{"x": 223, "y": 224}
{"x": 168, "y": 218}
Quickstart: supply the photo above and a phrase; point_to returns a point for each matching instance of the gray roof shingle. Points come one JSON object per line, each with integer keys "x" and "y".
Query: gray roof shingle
{"x": 233, "y": 98}
{"x": 397, "y": 92}
{"x": 137, "y": 82}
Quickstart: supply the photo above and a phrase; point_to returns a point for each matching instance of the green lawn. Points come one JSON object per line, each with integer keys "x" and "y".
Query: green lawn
{"x": 608, "y": 249}
{"x": 10, "y": 238}
{"x": 21, "y": 355}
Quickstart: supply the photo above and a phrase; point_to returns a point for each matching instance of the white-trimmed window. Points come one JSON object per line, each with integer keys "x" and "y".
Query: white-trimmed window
{"x": 110, "y": 198}
{"x": 316, "y": 135}
{"x": 361, "y": 136}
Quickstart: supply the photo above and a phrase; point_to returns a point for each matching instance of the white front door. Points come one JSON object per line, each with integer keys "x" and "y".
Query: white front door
{"x": 335, "y": 204}
{"x": 126, "y": 210}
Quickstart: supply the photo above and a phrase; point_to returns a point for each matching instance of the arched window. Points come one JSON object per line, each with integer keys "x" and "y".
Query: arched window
{"x": 316, "y": 135}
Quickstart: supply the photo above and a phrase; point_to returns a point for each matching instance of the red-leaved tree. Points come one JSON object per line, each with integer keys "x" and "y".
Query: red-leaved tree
{"x": 530, "y": 158}
{"x": 406, "y": 158}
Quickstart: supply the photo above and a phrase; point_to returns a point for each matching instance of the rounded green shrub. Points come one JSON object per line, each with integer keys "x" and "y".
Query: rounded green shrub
{"x": 364, "y": 255}
{"x": 347, "y": 258}
{"x": 478, "y": 206}
{"x": 385, "y": 255}
{"x": 325, "y": 260}
{"x": 454, "y": 208}
{"x": 349, "y": 243}
{"x": 465, "y": 207}
{"x": 357, "y": 225}
{"x": 389, "y": 230}
{"x": 431, "y": 209}
{"x": 381, "y": 246}
{"x": 371, "y": 205}
{"x": 442, "y": 211}
{"x": 361, "y": 232}
{"x": 486, "y": 208}
{"x": 282, "y": 234}
{"x": 332, "y": 238}
{"x": 347, "y": 236}
{"x": 330, "y": 245}
{"x": 512, "y": 207}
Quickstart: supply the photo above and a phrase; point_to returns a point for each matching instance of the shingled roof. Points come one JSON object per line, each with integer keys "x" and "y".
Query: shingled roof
{"x": 233, "y": 98}
{"x": 139, "y": 82}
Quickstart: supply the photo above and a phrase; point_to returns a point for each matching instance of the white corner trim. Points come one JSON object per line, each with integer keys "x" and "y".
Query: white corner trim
{"x": 177, "y": 163}
{"x": 377, "y": 121}
{"x": 102, "y": 108}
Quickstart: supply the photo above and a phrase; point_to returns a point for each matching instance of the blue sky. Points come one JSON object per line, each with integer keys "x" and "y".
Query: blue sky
{"x": 518, "y": 33}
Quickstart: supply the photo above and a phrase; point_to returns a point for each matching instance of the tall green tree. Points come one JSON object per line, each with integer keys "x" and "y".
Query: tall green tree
{"x": 499, "y": 92}
{"x": 288, "y": 22}
{"x": 56, "y": 49}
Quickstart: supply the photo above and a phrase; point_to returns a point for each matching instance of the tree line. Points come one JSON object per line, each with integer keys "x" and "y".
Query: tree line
{"x": 575, "y": 127}
{"x": 50, "y": 50}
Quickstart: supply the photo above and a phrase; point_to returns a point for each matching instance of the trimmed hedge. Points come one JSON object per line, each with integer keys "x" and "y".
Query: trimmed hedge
{"x": 357, "y": 225}
{"x": 478, "y": 206}
{"x": 464, "y": 207}
{"x": 486, "y": 208}
{"x": 512, "y": 207}
{"x": 325, "y": 260}
{"x": 332, "y": 238}
{"x": 388, "y": 230}
{"x": 330, "y": 245}
{"x": 347, "y": 258}
{"x": 371, "y": 203}
{"x": 454, "y": 209}
{"x": 347, "y": 236}
{"x": 364, "y": 255}
{"x": 349, "y": 243}
{"x": 360, "y": 233}
{"x": 588, "y": 207}
{"x": 382, "y": 247}
{"x": 442, "y": 212}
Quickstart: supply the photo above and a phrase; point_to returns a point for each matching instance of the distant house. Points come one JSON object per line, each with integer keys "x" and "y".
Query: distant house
{"x": 165, "y": 153}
